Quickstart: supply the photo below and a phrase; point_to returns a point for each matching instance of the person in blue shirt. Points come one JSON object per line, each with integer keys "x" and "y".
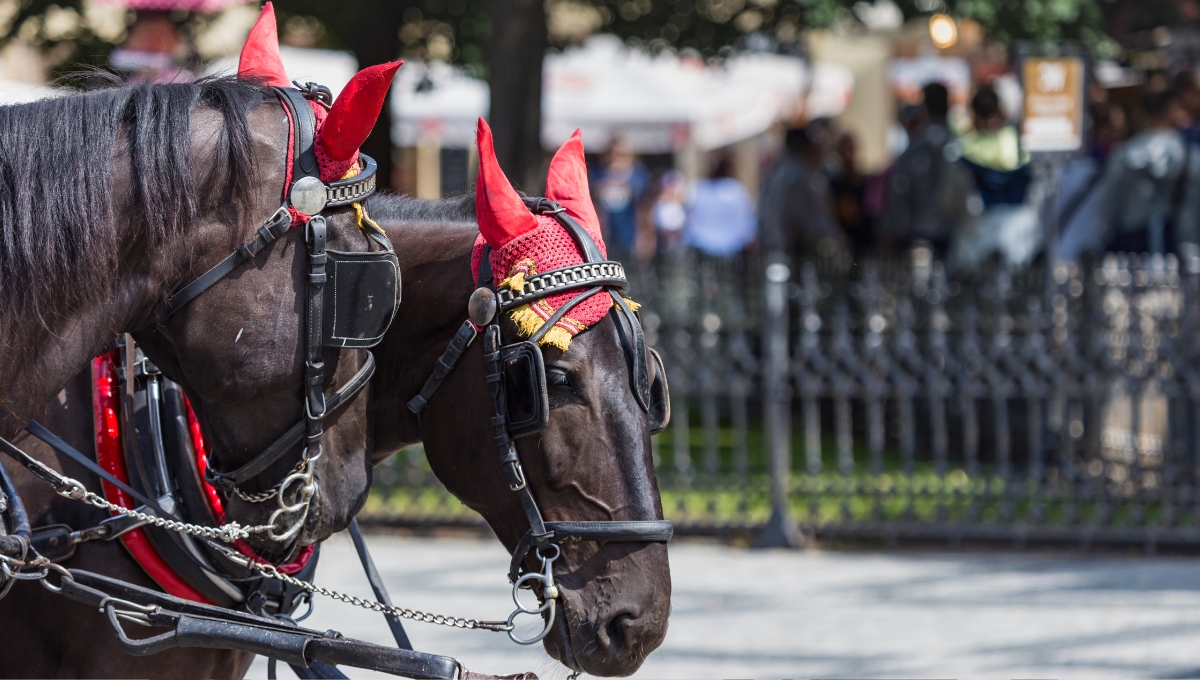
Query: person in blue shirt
{"x": 720, "y": 213}
{"x": 619, "y": 186}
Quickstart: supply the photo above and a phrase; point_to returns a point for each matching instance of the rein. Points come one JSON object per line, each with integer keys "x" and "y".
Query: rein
{"x": 513, "y": 369}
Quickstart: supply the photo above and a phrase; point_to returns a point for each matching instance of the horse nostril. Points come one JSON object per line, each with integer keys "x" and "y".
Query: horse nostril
{"x": 618, "y": 630}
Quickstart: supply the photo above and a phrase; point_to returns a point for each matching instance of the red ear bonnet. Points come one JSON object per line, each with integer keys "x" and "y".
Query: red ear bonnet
{"x": 260, "y": 60}
{"x": 354, "y": 113}
{"x": 501, "y": 213}
{"x": 567, "y": 185}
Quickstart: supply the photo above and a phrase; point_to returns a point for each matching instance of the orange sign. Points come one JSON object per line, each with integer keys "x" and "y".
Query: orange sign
{"x": 1053, "y": 103}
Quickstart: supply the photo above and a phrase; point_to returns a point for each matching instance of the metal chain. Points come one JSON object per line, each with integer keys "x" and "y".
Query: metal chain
{"x": 264, "y": 496}
{"x": 228, "y": 533}
{"x": 411, "y": 614}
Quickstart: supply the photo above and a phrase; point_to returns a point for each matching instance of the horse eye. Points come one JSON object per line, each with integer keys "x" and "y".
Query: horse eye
{"x": 557, "y": 377}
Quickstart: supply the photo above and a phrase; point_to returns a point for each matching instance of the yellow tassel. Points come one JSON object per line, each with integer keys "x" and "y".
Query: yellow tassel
{"x": 632, "y": 305}
{"x": 515, "y": 282}
{"x": 527, "y": 320}
{"x": 557, "y": 337}
{"x": 364, "y": 219}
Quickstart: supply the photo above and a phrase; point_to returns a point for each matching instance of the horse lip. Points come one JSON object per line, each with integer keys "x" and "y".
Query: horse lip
{"x": 564, "y": 630}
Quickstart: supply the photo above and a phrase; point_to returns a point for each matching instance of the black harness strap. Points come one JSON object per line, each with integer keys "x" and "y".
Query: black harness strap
{"x": 293, "y": 436}
{"x": 314, "y": 368}
{"x": 381, "y": 593}
{"x": 55, "y": 442}
{"x": 191, "y": 624}
{"x": 636, "y": 349}
{"x": 277, "y": 226}
{"x": 634, "y": 531}
{"x": 445, "y": 363}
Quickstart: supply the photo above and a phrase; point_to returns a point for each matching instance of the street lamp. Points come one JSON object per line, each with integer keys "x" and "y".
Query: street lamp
{"x": 943, "y": 31}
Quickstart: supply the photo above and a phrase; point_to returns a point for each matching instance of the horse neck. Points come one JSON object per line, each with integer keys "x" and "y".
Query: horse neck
{"x": 435, "y": 263}
{"x": 45, "y": 355}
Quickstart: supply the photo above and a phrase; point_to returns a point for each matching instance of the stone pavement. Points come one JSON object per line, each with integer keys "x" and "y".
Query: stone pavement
{"x": 751, "y": 614}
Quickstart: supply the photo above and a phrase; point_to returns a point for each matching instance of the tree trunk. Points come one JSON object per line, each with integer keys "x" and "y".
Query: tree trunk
{"x": 519, "y": 42}
{"x": 376, "y": 41}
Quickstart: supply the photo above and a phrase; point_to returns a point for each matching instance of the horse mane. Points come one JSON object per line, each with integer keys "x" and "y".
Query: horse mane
{"x": 396, "y": 208}
{"x": 61, "y": 227}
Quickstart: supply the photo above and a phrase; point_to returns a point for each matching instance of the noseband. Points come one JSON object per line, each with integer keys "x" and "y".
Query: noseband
{"x": 351, "y": 300}
{"x": 517, "y": 379}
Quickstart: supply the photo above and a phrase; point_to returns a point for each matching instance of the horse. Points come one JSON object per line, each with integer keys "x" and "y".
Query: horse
{"x": 592, "y": 461}
{"x": 112, "y": 200}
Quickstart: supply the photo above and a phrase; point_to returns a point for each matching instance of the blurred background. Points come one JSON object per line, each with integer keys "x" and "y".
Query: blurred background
{"x": 923, "y": 273}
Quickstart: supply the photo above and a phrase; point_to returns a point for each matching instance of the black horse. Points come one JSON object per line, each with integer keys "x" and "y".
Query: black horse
{"x": 591, "y": 462}
{"x": 112, "y": 200}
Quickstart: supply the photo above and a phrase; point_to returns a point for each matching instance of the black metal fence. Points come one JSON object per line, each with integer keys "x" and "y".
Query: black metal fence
{"x": 891, "y": 400}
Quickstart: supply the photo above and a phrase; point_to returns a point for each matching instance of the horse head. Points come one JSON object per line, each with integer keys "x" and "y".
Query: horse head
{"x": 589, "y": 462}
{"x": 244, "y": 348}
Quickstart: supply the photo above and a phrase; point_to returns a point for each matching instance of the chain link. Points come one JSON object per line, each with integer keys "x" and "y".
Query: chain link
{"x": 411, "y": 614}
{"x": 228, "y": 533}
{"x": 264, "y": 496}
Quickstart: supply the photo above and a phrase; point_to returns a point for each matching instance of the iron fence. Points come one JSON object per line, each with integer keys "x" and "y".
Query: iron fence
{"x": 890, "y": 399}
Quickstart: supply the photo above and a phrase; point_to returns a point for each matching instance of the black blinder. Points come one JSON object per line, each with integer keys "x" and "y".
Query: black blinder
{"x": 361, "y": 297}
{"x": 527, "y": 405}
{"x": 660, "y": 396}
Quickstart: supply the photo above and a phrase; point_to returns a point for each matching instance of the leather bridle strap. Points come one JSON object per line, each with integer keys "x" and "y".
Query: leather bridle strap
{"x": 633, "y": 531}
{"x": 278, "y": 225}
{"x": 445, "y": 364}
{"x": 293, "y": 436}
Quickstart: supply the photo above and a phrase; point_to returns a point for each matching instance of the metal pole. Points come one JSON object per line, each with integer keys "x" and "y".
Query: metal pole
{"x": 781, "y": 530}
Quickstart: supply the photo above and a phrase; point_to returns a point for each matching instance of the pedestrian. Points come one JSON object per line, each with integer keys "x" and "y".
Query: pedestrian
{"x": 1081, "y": 186}
{"x": 927, "y": 190}
{"x": 721, "y": 219}
{"x": 796, "y": 214}
{"x": 1001, "y": 222}
{"x": 849, "y": 188}
{"x": 1152, "y": 184}
{"x": 669, "y": 214}
{"x": 620, "y": 185}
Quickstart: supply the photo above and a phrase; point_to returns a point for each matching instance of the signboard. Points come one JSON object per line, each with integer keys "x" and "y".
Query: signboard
{"x": 1053, "y": 118}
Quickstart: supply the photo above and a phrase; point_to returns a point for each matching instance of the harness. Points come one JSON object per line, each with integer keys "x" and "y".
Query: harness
{"x": 152, "y": 454}
{"x": 516, "y": 376}
{"x": 351, "y": 300}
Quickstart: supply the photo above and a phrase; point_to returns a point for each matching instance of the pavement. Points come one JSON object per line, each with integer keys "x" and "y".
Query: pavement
{"x": 740, "y": 613}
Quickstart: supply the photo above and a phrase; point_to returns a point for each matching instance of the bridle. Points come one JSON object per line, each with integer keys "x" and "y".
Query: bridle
{"x": 517, "y": 380}
{"x": 351, "y": 299}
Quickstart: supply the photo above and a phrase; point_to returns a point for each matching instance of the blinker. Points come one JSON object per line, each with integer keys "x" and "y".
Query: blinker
{"x": 308, "y": 196}
{"x": 481, "y": 308}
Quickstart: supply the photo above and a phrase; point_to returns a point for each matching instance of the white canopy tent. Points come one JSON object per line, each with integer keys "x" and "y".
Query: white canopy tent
{"x": 331, "y": 68}
{"x": 663, "y": 102}
{"x": 16, "y": 92}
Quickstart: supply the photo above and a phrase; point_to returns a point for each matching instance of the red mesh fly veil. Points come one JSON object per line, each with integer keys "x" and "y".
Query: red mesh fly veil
{"x": 342, "y": 127}
{"x": 524, "y": 244}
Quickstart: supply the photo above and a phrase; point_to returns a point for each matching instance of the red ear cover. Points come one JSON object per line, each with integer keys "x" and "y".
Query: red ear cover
{"x": 567, "y": 184}
{"x": 357, "y": 108}
{"x": 260, "y": 60}
{"x": 501, "y": 213}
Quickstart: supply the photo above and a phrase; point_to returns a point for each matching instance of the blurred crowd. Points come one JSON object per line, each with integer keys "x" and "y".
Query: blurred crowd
{"x": 970, "y": 195}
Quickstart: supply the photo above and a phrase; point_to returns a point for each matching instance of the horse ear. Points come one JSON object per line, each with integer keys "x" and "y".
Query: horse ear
{"x": 354, "y": 113}
{"x": 260, "y": 60}
{"x": 567, "y": 183}
{"x": 501, "y": 213}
